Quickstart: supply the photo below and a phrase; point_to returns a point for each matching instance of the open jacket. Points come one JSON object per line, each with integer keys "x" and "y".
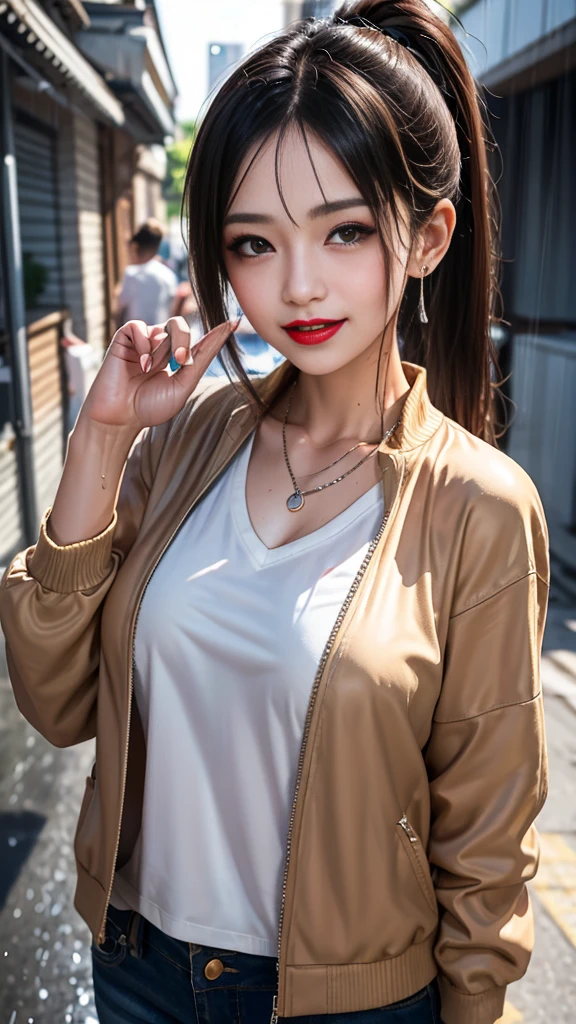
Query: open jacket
{"x": 423, "y": 761}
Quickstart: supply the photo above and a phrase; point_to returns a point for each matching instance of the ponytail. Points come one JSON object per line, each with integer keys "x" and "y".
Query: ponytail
{"x": 455, "y": 345}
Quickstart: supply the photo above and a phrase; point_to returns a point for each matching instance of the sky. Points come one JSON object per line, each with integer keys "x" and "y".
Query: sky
{"x": 188, "y": 26}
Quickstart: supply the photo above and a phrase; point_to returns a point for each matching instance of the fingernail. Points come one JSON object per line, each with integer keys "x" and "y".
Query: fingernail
{"x": 235, "y": 324}
{"x": 146, "y": 362}
{"x": 174, "y": 364}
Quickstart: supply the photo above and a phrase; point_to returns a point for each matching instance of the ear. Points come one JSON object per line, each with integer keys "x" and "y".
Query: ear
{"x": 433, "y": 240}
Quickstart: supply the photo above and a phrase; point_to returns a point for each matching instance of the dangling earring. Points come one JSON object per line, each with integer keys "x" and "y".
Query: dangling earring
{"x": 422, "y": 307}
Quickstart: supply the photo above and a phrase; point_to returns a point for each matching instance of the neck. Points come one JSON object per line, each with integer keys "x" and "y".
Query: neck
{"x": 343, "y": 404}
{"x": 144, "y": 257}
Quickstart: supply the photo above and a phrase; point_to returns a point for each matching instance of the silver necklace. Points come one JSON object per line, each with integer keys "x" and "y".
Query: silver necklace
{"x": 295, "y": 502}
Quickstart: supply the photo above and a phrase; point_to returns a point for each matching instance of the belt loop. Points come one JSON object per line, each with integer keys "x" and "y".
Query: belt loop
{"x": 136, "y": 934}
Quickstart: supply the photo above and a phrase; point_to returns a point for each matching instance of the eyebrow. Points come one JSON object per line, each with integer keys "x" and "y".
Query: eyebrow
{"x": 317, "y": 211}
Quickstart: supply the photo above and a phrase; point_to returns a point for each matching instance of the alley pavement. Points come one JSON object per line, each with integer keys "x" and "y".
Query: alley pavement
{"x": 45, "y": 967}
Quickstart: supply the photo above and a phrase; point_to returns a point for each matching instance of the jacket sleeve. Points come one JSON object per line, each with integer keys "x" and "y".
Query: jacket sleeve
{"x": 487, "y": 767}
{"x": 51, "y": 599}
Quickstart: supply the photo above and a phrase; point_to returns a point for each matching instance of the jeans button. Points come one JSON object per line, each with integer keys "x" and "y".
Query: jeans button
{"x": 213, "y": 969}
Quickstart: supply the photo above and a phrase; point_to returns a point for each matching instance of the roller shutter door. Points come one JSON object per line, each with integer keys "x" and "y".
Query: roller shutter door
{"x": 38, "y": 204}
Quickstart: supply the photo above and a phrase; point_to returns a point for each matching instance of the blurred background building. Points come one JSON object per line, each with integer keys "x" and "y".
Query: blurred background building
{"x": 524, "y": 53}
{"x": 221, "y": 57}
{"x": 87, "y": 102}
{"x": 295, "y": 9}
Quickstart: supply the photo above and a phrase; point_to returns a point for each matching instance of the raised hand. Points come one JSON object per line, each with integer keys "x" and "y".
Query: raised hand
{"x": 133, "y": 388}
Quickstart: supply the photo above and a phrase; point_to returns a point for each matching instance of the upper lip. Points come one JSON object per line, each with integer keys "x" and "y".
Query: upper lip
{"x": 312, "y": 323}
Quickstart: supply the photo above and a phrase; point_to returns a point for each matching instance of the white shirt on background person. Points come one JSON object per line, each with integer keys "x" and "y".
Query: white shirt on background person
{"x": 148, "y": 291}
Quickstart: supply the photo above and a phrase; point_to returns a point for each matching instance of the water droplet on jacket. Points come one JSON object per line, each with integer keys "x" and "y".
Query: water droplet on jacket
{"x": 43, "y": 993}
{"x": 76, "y": 958}
{"x": 17, "y": 912}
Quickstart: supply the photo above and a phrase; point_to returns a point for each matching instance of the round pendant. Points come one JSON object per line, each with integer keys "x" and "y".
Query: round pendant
{"x": 295, "y": 502}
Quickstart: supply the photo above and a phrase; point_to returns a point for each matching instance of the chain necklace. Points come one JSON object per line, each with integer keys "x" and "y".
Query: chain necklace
{"x": 295, "y": 502}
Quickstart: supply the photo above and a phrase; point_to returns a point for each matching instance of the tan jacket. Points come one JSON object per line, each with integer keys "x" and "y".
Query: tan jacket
{"x": 423, "y": 763}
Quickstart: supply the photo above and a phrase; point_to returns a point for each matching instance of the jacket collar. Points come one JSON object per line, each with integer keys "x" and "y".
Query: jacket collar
{"x": 419, "y": 418}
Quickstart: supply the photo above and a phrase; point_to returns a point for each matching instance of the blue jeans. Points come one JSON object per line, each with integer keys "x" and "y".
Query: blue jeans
{"x": 143, "y": 976}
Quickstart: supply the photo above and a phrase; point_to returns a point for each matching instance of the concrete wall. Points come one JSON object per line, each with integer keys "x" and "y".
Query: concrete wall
{"x": 543, "y": 437}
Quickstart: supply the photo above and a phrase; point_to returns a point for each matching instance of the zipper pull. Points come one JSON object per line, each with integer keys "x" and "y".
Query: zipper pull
{"x": 407, "y": 828}
{"x": 274, "y": 1017}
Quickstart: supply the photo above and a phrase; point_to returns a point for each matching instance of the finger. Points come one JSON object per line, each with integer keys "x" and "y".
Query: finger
{"x": 213, "y": 340}
{"x": 179, "y": 331}
{"x": 160, "y": 353}
{"x": 203, "y": 353}
{"x": 157, "y": 331}
{"x": 134, "y": 336}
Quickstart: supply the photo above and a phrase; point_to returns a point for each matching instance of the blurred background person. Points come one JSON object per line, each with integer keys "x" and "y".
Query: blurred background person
{"x": 148, "y": 287}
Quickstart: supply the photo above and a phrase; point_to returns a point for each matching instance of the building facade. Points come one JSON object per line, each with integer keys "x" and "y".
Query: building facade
{"x": 87, "y": 99}
{"x": 296, "y": 9}
{"x": 525, "y": 55}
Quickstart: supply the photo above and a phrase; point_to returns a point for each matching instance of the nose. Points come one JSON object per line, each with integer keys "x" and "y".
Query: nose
{"x": 303, "y": 282}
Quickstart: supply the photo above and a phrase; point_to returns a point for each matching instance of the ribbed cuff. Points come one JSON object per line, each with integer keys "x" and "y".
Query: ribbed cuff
{"x": 71, "y": 567}
{"x": 465, "y": 1008}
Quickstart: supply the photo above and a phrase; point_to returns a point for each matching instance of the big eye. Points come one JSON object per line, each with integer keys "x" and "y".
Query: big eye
{"x": 351, "y": 234}
{"x": 347, "y": 234}
{"x": 256, "y": 246}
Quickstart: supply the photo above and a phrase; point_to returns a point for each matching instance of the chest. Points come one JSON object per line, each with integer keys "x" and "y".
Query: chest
{"x": 268, "y": 484}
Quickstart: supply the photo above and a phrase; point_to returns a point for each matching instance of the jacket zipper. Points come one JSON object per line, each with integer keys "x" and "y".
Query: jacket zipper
{"x": 416, "y": 845}
{"x": 325, "y": 654}
{"x": 405, "y": 824}
{"x": 102, "y": 933}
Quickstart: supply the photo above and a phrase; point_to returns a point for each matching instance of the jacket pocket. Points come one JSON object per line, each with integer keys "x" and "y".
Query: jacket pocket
{"x": 417, "y": 857}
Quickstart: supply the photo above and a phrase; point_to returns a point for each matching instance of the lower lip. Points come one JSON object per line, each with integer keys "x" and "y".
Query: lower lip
{"x": 313, "y": 337}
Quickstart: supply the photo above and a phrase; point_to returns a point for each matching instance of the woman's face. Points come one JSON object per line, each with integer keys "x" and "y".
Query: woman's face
{"x": 327, "y": 267}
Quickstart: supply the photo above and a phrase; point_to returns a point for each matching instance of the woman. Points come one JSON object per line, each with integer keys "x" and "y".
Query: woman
{"x": 306, "y": 632}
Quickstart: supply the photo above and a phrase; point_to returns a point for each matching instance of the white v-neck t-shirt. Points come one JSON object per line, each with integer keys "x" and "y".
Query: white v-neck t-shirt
{"x": 229, "y": 638}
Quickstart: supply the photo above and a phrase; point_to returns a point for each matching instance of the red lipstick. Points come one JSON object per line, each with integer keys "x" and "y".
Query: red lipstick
{"x": 312, "y": 332}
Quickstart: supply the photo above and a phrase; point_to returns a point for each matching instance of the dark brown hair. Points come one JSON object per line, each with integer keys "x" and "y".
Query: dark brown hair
{"x": 402, "y": 114}
{"x": 148, "y": 236}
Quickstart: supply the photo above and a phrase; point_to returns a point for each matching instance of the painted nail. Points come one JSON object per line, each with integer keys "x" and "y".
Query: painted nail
{"x": 146, "y": 362}
{"x": 174, "y": 364}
